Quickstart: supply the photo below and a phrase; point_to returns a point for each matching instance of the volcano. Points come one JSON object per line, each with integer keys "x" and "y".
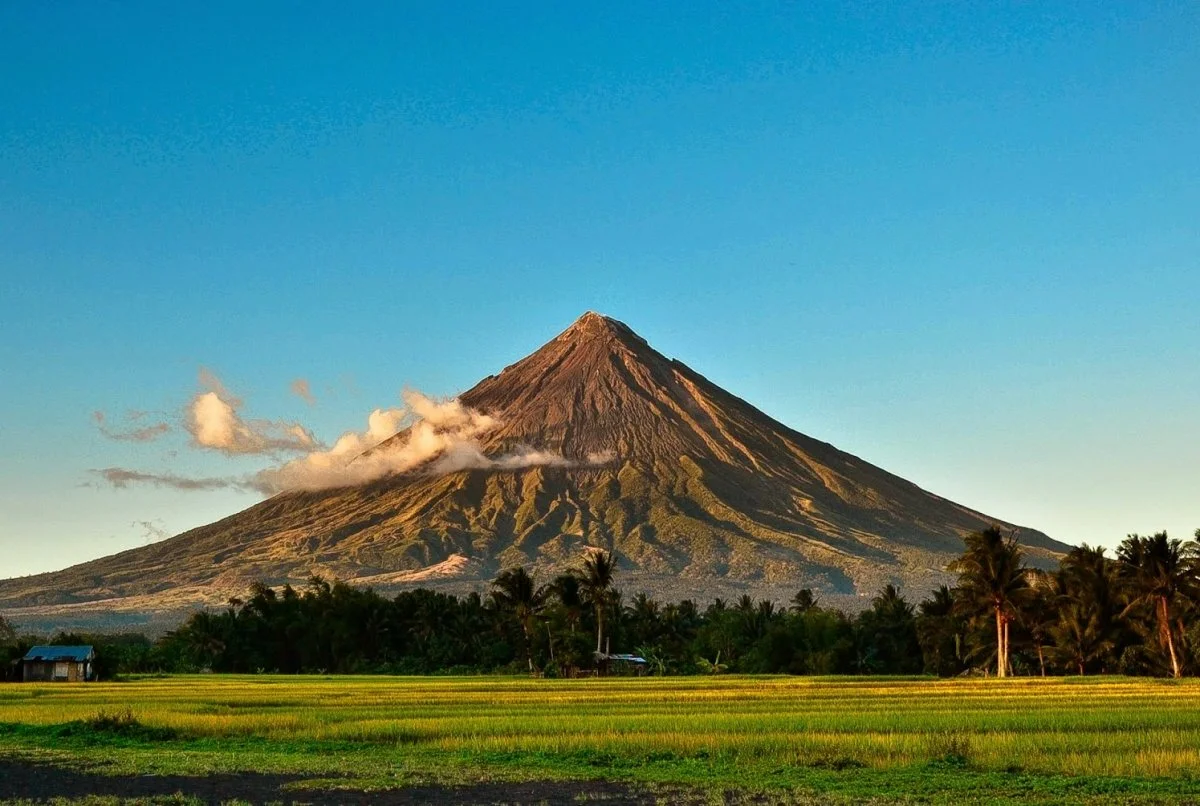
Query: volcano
{"x": 695, "y": 491}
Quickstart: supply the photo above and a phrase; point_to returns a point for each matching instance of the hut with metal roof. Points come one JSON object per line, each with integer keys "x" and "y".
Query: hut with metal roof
{"x": 59, "y": 664}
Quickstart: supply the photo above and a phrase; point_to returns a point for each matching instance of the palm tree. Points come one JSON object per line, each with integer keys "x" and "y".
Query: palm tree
{"x": 595, "y": 584}
{"x": 565, "y": 588}
{"x": 715, "y": 607}
{"x": 1160, "y": 574}
{"x": 679, "y": 624}
{"x": 644, "y": 619}
{"x": 888, "y": 635}
{"x": 764, "y": 616}
{"x": 643, "y": 609}
{"x": 1041, "y": 612}
{"x": 1079, "y": 637}
{"x": 515, "y": 590}
{"x": 205, "y": 635}
{"x": 803, "y": 601}
{"x": 1088, "y": 627}
{"x": 8, "y": 635}
{"x": 992, "y": 583}
{"x": 940, "y": 630}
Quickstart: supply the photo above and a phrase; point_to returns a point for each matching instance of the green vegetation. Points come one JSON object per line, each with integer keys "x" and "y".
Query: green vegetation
{"x": 1135, "y": 614}
{"x": 947, "y": 741}
{"x": 1030, "y": 737}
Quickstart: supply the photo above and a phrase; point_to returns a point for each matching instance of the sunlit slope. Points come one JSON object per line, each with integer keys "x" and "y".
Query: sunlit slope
{"x": 687, "y": 483}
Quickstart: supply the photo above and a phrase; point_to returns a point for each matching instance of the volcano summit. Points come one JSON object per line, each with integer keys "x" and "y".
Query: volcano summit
{"x": 697, "y": 493}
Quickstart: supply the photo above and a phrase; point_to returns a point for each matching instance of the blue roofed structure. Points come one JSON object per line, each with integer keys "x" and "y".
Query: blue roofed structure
{"x": 59, "y": 664}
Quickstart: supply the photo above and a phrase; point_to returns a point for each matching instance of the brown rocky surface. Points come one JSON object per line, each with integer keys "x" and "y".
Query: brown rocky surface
{"x": 696, "y": 491}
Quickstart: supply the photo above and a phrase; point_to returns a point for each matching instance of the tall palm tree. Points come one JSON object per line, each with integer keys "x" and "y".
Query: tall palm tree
{"x": 643, "y": 608}
{"x": 205, "y": 635}
{"x": 755, "y": 617}
{"x": 887, "y": 635}
{"x": 940, "y": 631}
{"x": 992, "y": 583}
{"x": 595, "y": 582}
{"x": 1041, "y": 612}
{"x": 514, "y": 590}
{"x": 1088, "y": 628}
{"x": 1079, "y": 637}
{"x": 565, "y": 588}
{"x": 1161, "y": 574}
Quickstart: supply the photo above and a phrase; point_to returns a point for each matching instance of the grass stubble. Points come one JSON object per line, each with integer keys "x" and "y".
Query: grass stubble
{"x": 761, "y": 739}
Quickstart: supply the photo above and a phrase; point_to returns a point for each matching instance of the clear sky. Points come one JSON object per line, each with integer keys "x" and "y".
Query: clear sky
{"x": 961, "y": 240}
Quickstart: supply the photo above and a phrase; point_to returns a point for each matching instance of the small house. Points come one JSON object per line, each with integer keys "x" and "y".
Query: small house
{"x": 624, "y": 665}
{"x": 59, "y": 664}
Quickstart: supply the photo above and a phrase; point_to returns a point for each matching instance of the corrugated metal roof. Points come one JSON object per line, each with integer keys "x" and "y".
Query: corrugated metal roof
{"x": 50, "y": 654}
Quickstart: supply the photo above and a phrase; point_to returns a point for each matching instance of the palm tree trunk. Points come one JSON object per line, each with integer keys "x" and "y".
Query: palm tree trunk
{"x": 528, "y": 645}
{"x": 1165, "y": 621}
{"x": 599, "y": 629}
{"x": 999, "y": 644}
{"x": 1041, "y": 658}
{"x": 1007, "y": 656}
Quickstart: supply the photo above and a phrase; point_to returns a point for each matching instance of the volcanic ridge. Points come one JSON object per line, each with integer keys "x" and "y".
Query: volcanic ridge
{"x": 694, "y": 490}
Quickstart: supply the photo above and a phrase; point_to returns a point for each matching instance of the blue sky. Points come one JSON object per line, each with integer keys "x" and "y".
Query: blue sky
{"x": 957, "y": 239}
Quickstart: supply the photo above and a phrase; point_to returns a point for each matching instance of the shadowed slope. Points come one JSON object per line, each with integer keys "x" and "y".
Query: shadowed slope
{"x": 685, "y": 482}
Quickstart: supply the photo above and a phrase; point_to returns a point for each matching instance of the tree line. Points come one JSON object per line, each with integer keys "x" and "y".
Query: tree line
{"x": 1135, "y": 612}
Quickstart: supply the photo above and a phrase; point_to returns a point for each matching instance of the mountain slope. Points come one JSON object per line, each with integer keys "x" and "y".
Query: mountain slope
{"x": 693, "y": 488}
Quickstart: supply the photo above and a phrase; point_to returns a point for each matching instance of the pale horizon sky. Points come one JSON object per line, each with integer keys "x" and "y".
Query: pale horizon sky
{"x": 958, "y": 241}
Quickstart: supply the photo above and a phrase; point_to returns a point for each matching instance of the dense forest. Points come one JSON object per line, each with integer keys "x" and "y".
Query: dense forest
{"x": 1137, "y": 613}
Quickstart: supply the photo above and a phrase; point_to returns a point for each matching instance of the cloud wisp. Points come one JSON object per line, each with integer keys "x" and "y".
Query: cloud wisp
{"x": 122, "y": 477}
{"x": 441, "y": 437}
{"x": 301, "y": 389}
{"x": 395, "y": 441}
{"x": 426, "y": 436}
{"x": 152, "y": 531}
{"x": 133, "y": 431}
{"x": 213, "y": 420}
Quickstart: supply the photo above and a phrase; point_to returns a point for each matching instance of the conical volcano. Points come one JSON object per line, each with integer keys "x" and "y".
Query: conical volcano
{"x": 695, "y": 491}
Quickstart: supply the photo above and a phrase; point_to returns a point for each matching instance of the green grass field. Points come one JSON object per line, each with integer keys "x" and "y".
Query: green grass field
{"x": 1018, "y": 740}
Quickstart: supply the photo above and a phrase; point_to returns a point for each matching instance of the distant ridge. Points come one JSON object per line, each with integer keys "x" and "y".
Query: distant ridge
{"x": 696, "y": 491}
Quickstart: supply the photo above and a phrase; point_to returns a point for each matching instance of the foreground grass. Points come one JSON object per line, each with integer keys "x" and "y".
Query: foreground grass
{"x": 1056, "y": 740}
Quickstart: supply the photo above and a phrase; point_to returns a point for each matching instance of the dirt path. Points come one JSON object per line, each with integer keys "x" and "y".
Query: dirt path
{"x": 19, "y": 779}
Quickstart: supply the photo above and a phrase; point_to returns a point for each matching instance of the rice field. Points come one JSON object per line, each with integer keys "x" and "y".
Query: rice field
{"x": 895, "y": 737}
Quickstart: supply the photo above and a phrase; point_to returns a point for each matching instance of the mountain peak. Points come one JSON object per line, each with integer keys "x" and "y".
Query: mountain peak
{"x": 593, "y": 327}
{"x": 593, "y": 324}
{"x": 696, "y": 488}
{"x": 592, "y": 316}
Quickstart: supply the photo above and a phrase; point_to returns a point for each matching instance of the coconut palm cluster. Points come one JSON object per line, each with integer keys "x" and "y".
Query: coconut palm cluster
{"x": 1136, "y": 612}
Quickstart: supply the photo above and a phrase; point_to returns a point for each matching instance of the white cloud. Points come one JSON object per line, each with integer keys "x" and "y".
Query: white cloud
{"x": 442, "y": 437}
{"x": 213, "y": 421}
{"x": 427, "y": 436}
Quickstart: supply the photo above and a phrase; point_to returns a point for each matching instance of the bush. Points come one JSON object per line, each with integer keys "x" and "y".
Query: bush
{"x": 950, "y": 748}
{"x": 115, "y": 724}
